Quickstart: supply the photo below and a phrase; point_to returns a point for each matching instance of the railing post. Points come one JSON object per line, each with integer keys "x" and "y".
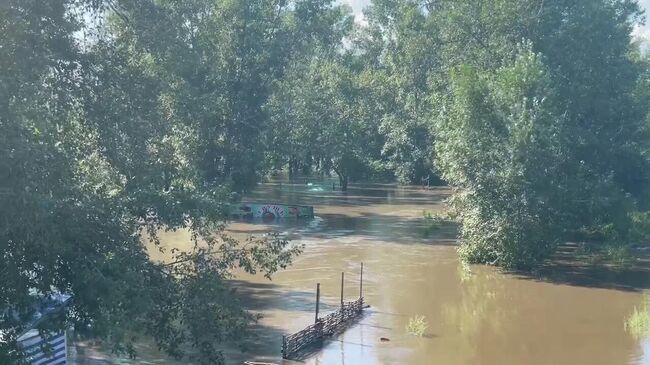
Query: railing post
{"x": 342, "y": 279}
{"x": 317, "y": 301}
{"x": 284, "y": 347}
{"x": 333, "y": 322}
{"x": 361, "y": 283}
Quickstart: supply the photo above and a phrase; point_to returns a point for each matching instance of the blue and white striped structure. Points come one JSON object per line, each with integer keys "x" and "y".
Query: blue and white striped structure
{"x": 44, "y": 351}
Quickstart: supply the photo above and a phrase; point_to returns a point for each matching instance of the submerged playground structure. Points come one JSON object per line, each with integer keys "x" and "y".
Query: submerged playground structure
{"x": 270, "y": 211}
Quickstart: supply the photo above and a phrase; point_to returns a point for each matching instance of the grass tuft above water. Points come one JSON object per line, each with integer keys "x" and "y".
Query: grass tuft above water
{"x": 416, "y": 326}
{"x": 434, "y": 222}
{"x": 638, "y": 323}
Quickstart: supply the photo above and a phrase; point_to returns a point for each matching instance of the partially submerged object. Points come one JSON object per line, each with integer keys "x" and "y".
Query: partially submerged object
{"x": 44, "y": 347}
{"x": 44, "y": 350}
{"x": 270, "y": 211}
{"x": 297, "y": 345}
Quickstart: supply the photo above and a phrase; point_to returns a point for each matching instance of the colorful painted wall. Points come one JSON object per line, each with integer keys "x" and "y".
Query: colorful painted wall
{"x": 270, "y": 211}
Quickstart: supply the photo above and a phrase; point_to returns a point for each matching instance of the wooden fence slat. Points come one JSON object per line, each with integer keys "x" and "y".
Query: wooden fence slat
{"x": 325, "y": 326}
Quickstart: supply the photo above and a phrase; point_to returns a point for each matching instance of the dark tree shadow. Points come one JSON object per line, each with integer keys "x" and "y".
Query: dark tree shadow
{"x": 381, "y": 227}
{"x": 374, "y": 226}
{"x": 567, "y": 267}
{"x": 267, "y": 296}
{"x": 357, "y": 195}
{"x": 264, "y": 343}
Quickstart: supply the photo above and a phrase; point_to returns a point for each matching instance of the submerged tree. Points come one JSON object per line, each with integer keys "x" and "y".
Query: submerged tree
{"x": 322, "y": 113}
{"x": 597, "y": 162}
{"x": 217, "y": 62}
{"x": 537, "y": 111}
{"x": 501, "y": 142}
{"x": 401, "y": 45}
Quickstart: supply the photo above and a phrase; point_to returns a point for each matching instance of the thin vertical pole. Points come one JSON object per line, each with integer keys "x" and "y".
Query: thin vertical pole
{"x": 342, "y": 279}
{"x": 361, "y": 283}
{"x": 317, "y": 301}
{"x": 284, "y": 347}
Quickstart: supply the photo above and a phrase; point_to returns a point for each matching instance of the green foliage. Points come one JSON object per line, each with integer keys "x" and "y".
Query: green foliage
{"x": 142, "y": 125}
{"x": 322, "y": 116}
{"x": 498, "y": 140}
{"x": 400, "y": 44}
{"x": 216, "y": 63}
{"x": 122, "y": 118}
{"x": 613, "y": 245}
{"x": 464, "y": 271}
{"x": 640, "y": 227}
{"x": 383, "y": 104}
{"x": 638, "y": 323}
{"x": 619, "y": 255}
{"x": 416, "y": 326}
{"x": 433, "y": 219}
{"x": 543, "y": 143}
{"x": 433, "y": 222}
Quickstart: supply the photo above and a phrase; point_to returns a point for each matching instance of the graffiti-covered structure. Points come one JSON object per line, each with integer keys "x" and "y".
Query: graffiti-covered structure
{"x": 270, "y": 211}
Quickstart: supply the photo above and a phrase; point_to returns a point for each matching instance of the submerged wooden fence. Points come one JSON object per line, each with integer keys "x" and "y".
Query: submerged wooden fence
{"x": 324, "y": 327}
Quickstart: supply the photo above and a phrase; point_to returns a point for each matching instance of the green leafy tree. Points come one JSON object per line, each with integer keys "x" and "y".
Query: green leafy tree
{"x": 401, "y": 45}
{"x": 500, "y": 145}
{"x": 217, "y": 61}
{"x": 322, "y": 115}
{"x": 100, "y": 149}
{"x": 587, "y": 56}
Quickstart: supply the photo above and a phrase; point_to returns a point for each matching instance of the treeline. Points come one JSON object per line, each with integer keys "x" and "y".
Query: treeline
{"x": 534, "y": 112}
{"x": 119, "y": 118}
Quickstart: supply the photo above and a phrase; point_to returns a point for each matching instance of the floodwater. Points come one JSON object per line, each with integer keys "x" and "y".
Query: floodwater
{"x": 569, "y": 313}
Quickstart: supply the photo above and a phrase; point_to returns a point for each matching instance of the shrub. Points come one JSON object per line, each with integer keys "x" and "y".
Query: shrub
{"x": 416, "y": 326}
{"x": 638, "y": 323}
{"x": 640, "y": 230}
{"x": 499, "y": 146}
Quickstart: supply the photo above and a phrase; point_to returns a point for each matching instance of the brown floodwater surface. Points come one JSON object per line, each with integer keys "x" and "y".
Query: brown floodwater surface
{"x": 565, "y": 314}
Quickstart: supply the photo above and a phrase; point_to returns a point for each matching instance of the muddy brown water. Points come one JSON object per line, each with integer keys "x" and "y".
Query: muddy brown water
{"x": 566, "y": 314}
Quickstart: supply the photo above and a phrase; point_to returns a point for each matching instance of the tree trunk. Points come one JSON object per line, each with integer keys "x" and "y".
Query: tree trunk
{"x": 291, "y": 172}
{"x": 343, "y": 182}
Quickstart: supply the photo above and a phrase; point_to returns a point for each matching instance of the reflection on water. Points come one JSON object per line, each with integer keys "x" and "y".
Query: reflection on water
{"x": 474, "y": 315}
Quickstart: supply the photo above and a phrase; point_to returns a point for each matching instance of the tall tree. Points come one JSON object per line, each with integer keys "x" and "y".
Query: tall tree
{"x": 586, "y": 52}
{"x": 401, "y": 43}
{"x": 501, "y": 145}
{"x": 100, "y": 149}
{"x": 219, "y": 60}
{"x": 324, "y": 114}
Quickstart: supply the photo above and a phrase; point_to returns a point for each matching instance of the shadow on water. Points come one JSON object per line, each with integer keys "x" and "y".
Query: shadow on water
{"x": 478, "y": 317}
{"x": 357, "y": 195}
{"x": 475, "y": 314}
{"x": 266, "y": 296}
{"x": 264, "y": 342}
{"x": 382, "y": 227}
{"x": 568, "y": 268}
{"x": 316, "y": 347}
